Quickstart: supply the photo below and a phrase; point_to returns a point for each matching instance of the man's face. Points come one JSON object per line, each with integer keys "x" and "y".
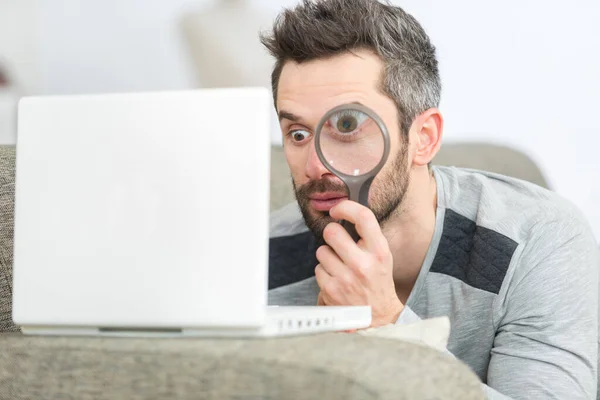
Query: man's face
{"x": 306, "y": 92}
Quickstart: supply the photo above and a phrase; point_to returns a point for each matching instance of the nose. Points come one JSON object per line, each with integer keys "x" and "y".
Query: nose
{"x": 314, "y": 168}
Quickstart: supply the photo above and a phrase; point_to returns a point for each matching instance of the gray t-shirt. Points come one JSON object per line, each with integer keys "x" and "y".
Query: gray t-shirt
{"x": 514, "y": 267}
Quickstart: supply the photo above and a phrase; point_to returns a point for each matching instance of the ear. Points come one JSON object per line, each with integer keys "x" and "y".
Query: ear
{"x": 427, "y": 136}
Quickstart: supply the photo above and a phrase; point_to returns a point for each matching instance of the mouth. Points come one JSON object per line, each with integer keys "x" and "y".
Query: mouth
{"x": 325, "y": 201}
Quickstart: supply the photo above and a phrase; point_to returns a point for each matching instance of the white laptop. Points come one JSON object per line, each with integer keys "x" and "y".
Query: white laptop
{"x": 147, "y": 214}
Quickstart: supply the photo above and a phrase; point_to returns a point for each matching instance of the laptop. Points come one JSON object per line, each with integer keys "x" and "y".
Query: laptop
{"x": 147, "y": 214}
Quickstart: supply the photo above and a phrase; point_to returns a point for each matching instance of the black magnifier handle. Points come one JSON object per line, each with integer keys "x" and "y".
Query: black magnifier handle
{"x": 359, "y": 192}
{"x": 351, "y": 229}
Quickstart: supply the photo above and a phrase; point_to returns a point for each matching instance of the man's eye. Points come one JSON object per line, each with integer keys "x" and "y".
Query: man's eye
{"x": 299, "y": 135}
{"x": 347, "y": 121}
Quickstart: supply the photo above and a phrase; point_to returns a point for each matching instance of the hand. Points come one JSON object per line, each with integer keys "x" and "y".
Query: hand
{"x": 359, "y": 273}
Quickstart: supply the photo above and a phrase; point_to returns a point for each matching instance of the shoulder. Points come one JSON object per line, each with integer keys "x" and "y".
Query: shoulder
{"x": 504, "y": 227}
{"x": 519, "y": 210}
{"x": 286, "y": 221}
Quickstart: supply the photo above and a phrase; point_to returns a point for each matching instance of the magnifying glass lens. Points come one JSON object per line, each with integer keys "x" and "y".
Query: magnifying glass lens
{"x": 352, "y": 142}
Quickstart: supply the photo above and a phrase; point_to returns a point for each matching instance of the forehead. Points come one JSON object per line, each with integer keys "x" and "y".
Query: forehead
{"x": 312, "y": 88}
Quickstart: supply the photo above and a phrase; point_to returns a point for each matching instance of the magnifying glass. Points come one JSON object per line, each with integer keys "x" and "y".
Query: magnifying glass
{"x": 353, "y": 143}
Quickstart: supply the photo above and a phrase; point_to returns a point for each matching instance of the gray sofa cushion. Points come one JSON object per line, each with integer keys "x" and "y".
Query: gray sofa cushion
{"x": 329, "y": 366}
{"x": 490, "y": 157}
{"x": 7, "y": 194}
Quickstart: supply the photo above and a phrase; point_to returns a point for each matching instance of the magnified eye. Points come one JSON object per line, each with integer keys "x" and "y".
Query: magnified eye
{"x": 299, "y": 135}
{"x": 347, "y": 124}
{"x": 347, "y": 121}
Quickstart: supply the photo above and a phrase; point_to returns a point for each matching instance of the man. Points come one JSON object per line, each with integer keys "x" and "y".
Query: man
{"x": 513, "y": 266}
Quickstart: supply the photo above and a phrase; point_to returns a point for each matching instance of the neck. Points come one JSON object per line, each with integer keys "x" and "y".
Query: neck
{"x": 410, "y": 231}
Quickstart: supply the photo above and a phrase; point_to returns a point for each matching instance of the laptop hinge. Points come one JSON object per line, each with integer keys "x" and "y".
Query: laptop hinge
{"x": 139, "y": 330}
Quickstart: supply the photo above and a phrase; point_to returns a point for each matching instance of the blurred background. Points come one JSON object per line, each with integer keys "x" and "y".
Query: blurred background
{"x": 520, "y": 73}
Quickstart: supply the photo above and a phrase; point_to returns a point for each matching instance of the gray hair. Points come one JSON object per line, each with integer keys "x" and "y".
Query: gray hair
{"x": 324, "y": 28}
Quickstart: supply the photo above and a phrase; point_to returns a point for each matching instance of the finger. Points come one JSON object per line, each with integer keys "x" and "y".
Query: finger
{"x": 330, "y": 261}
{"x": 320, "y": 301}
{"x": 324, "y": 280}
{"x": 338, "y": 239}
{"x": 365, "y": 222}
{"x": 322, "y": 277}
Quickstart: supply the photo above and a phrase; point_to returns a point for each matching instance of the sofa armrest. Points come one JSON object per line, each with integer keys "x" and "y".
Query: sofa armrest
{"x": 7, "y": 199}
{"x": 328, "y": 366}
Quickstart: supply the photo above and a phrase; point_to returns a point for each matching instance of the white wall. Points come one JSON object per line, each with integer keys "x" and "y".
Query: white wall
{"x": 113, "y": 45}
{"x": 19, "y": 41}
{"x": 19, "y": 22}
{"x": 523, "y": 73}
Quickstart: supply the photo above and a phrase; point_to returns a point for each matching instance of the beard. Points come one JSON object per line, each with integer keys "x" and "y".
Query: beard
{"x": 385, "y": 195}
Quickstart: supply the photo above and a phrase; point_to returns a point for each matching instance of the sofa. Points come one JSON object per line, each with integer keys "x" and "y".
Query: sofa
{"x": 324, "y": 366}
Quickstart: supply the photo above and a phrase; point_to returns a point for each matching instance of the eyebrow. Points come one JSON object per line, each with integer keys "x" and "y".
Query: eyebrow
{"x": 288, "y": 115}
